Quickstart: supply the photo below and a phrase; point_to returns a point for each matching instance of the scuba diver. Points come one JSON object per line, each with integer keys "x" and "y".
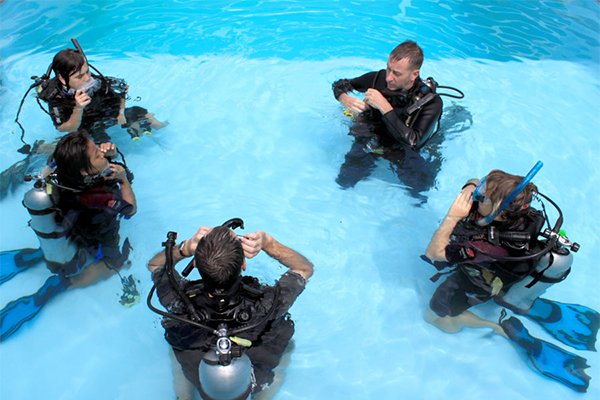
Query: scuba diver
{"x": 227, "y": 331}
{"x": 75, "y": 205}
{"x": 78, "y": 99}
{"x": 400, "y": 113}
{"x": 496, "y": 246}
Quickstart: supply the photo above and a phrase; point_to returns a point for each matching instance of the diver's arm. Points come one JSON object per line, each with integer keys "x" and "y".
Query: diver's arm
{"x": 127, "y": 194}
{"x": 421, "y": 130}
{"x": 159, "y": 260}
{"x": 184, "y": 250}
{"x": 436, "y": 250}
{"x": 81, "y": 100}
{"x": 360, "y": 84}
{"x": 296, "y": 262}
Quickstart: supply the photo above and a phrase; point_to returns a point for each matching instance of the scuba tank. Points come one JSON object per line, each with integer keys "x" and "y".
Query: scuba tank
{"x": 225, "y": 372}
{"x": 56, "y": 246}
{"x": 553, "y": 267}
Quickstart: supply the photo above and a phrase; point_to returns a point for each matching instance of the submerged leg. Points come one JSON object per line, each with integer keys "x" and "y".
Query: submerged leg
{"x": 19, "y": 311}
{"x": 358, "y": 164}
{"x": 466, "y": 319}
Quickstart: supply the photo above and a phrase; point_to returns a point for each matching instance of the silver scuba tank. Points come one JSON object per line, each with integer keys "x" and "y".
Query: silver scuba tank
{"x": 554, "y": 266}
{"x": 225, "y": 374}
{"x": 53, "y": 241}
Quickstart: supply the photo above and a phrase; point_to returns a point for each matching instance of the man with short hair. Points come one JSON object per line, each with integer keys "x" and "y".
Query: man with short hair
{"x": 397, "y": 117}
{"x": 225, "y": 296}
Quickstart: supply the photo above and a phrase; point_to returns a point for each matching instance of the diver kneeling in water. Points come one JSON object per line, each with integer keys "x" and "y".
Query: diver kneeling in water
{"x": 204, "y": 317}
{"x": 75, "y": 212}
{"x": 78, "y": 99}
{"x": 494, "y": 241}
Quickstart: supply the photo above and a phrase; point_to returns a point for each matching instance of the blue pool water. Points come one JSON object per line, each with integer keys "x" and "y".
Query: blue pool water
{"x": 256, "y": 133}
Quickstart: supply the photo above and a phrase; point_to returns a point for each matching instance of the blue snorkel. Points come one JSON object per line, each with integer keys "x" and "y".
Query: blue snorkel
{"x": 508, "y": 199}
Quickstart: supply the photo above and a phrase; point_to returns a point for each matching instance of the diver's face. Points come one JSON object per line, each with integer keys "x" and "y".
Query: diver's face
{"x": 97, "y": 160}
{"x": 80, "y": 77}
{"x": 485, "y": 208}
{"x": 399, "y": 75}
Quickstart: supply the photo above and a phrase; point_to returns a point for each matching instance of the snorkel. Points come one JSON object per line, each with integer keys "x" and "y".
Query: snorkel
{"x": 508, "y": 199}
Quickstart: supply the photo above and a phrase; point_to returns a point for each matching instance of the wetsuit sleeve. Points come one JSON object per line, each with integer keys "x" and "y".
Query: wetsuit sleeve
{"x": 422, "y": 129}
{"x": 291, "y": 285}
{"x": 360, "y": 84}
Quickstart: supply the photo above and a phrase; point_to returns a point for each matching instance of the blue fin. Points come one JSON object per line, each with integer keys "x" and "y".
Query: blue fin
{"x": 19, "y": 311}
{"x": 14, "y": 261}
{"x": 548, "y": 359}
{"x": 572, "y": 324}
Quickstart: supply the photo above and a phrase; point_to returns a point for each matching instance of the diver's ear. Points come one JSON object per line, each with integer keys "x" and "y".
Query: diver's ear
{"x": 83, "y": 172}
{"x": 244, "y": 266}
{"x": 61, "y": 79}
{"x": 415, "y": 73}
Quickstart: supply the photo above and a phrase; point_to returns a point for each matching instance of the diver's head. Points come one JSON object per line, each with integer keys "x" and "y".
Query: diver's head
{"x": 219, "y": 258}
{"x": 76, "y": 157}
{"x": 495, "y": 187}
{"x": 71, "y": 68}
{"x": 403, "y": 66}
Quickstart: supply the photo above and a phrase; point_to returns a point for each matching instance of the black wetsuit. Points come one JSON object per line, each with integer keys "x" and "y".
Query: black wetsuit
{"x": 251, "y": 303}
{"x": 390, "y": 136}
{"x": 100, "y": 114}
{"x": 94, "y": 217}
{"x": 476, "y": 274}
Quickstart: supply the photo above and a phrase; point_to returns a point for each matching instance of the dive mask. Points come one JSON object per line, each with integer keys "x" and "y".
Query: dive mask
{"x": 479, "y": 192}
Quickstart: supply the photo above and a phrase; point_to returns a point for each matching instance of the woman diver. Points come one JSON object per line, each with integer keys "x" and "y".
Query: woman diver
{"x": 75, "y": 212}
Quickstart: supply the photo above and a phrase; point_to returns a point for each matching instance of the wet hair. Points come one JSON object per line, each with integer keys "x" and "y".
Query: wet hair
{"x": 499, "y": 184}
{"x": 66, "y": 63}
{"x": 71, "y": 158}
{"x": 409, "y": 50}
{"x": 219, "y": 258}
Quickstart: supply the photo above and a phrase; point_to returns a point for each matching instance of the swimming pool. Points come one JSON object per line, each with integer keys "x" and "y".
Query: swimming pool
{"x": 255, "y": 133}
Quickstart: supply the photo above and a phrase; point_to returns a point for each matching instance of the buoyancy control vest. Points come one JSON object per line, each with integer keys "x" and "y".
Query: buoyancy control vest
{"x": 248, "y": 304}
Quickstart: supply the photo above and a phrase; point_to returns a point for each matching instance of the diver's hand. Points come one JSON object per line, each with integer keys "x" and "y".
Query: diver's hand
{"x": 253, "y": 243}
{"x": 189, "y": 247}
{"x": 108, "y": 148}
{"x": 375, "y": 99}
{"x": 118, "y": 173}
{"x": 121, "y": 120}
{"x": 82, "y": 99}
{"x": 352, "y": 103}
{"x": 461, "y": 206}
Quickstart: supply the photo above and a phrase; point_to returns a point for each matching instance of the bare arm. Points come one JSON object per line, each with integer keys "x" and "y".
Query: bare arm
{"x": 436, "y": 250}
{"x": 179, "y": 253}
{"x": 296, "y": 262}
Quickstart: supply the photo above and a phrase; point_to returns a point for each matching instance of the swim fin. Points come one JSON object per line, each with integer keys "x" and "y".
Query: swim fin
{"x": 572, "y": 324}
{"x": 548, "y": 359}
{"x": 19, "y": 311}
{"x": 14, "y": 261}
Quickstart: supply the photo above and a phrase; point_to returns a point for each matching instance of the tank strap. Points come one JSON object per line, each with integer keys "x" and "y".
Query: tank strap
{"x": 45, "y": 211}
{"x": 53, "y": 235}
{"x": 539, "y": 276}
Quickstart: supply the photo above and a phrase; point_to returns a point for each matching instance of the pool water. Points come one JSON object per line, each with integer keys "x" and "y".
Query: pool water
{"x": 256, "y": 133}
